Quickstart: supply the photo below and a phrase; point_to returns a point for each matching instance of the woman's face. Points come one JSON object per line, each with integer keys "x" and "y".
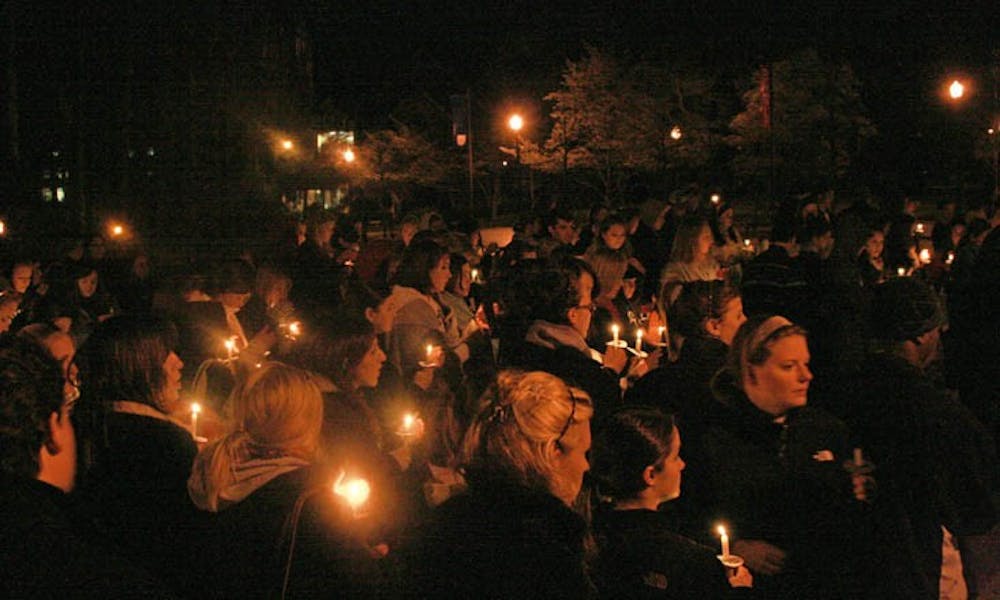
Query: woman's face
{"x": 571, "y": 460}
{"x": 614, "y": 237}
{"x": 8, "y": 311}
{"x": 667, "y": 474}
{"x": 20, "y": 278}
{"x": 875, "y": 245}
{"x": 704, "y": 242}
{"x": 440, "y": 274}
{"x": 170, "y": 394}
{"x": 728, "y": 323}
{"x": 782, "y": 382}
{"x": 367, "y": 372}
{"x": 87, "y": 284}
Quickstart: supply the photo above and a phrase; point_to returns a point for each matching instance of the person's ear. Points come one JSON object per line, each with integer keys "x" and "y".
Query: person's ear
{"x": 649, "y": 475}
{"x": 713, "y": 328}
{"x": 51, "y": 443}
{"x": 370, "y": 314}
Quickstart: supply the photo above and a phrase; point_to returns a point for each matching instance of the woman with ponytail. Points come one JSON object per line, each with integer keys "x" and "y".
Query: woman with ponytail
{"x": 514, "y": 533}
{"x": 277, "y": 529}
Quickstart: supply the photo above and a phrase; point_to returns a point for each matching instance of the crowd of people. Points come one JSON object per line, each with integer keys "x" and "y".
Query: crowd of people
{"x": 650, "y": 404}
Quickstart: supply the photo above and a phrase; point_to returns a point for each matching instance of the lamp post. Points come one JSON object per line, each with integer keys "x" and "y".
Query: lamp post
{"x": 516, "y": 123}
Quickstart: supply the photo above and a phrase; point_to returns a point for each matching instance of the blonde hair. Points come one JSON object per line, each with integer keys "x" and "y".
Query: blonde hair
{"x": 277, "y": 411}
{"x": 517, "y": 433}
{"x": 609, "y": 267}
{"x": 686, "y": 239}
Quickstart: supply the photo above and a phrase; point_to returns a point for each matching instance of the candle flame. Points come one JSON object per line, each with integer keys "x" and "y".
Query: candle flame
{"x": 230, "y": 344}
{"x": 430, "y": 350}
{"x": 746, "y": 242}
{"x": 615, "y": 330}
{"x": 295, "y": 328}
{"x": 195, "y": 408}
{"x": 408, "y": 420}
{"x": 354, "y": 491}
{"x": 721, "y": 530}
{"x": 925, "y": 256}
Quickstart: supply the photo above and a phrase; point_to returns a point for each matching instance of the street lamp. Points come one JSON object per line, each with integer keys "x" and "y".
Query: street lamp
{"x": 956, "y": 90}
{"x": 516, "y": 123}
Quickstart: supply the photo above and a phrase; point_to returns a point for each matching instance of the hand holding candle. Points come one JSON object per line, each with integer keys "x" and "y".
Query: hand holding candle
{"x": 616, "y": 342}
{"x": 433, "y": 357}
{"x": 411, "y": 427}
{"x": 638, "y": 341}
{"x": 230, "y": 345}
{"x": 354, "y": 491}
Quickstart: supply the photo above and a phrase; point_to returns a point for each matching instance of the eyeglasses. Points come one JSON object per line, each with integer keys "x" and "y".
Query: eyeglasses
{"x": 569, "y": 421}
{"x": 589, "y": 307}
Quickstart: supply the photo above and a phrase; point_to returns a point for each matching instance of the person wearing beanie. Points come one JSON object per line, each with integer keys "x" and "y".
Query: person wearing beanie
{"x": 934, "y": 462}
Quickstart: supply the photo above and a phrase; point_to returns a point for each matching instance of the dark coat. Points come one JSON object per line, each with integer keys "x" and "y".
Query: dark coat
{"x": 935, "y": 465}
{"x": 575, "y": 368}
{"x": 244, "y": 548}
{"x": 136, "y": 491}
{"x": 640, "y": 557}
{"x": 502, "y": 541}
{"x": 43, "y": 555}
{"x": 785, "y": 483}
{"x": 202, "y": 331}
{"x": 774, "y": 284}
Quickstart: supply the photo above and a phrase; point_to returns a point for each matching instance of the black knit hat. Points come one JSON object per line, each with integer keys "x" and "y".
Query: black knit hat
{"x": 904, "y": 308}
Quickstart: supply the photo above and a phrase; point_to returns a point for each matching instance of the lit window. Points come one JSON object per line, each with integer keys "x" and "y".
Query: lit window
{"x": 151, "y": 152}
{"x": 47, "y": 194}
{"x": 60, "y": 194}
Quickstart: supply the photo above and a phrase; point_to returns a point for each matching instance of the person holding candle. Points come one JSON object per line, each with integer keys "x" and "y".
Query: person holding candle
{"x": 273, "y": 511}
{"x": 558, "y": 305}
{"x": 514, "y": 533}
{"x": 706, "y": 317}
{"x": 420, "y": 318}
{"x": 637, "y": 463}
{"x": 344, "y": 355}
{"x": 775, "y": 471}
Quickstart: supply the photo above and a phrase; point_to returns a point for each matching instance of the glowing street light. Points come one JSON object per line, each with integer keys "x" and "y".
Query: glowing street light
{"x": 956, "y": 90}
{"x": 515, "y": 122}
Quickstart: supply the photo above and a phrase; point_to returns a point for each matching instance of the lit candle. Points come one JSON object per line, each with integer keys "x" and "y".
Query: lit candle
{"x": 354, "y": 491}
{"x": 725, "y": 541}
{"x": 408, "y": 427}
{"x": 638, "y": 340}
{"x": 230, "y": 347}
{"x": 663, "y": 334}
{"x": 746, "y": 242}
{"x": 614, "y": 332}
{"x": 195, "y": 411}
{"x": 715, "y": 198}
{"x": 901, "y": 271}
{"x": 920, "y": 228}
{"x": 475, "y": 274}
{"x": 295, "y": 329}
{"x": 950, "y": 258}
{"x": 925, "y": 256}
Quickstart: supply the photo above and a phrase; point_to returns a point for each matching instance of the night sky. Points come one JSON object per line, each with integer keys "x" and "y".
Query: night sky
{"x": 371, "y": 55}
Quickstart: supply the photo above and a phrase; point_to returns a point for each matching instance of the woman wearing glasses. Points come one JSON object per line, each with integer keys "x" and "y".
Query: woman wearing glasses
{"x": 513, "y": 534}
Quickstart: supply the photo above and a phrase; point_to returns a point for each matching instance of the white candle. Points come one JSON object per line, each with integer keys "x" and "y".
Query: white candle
{"x": 195, "y": 411}
{"x": 725, "y": 540}
{"x": 638, "y": 340}
{"x": 614, "y": 332}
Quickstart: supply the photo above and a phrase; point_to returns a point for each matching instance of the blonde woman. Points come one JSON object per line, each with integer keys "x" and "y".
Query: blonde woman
{"x": 691, "y": 256}
{"x": 275, "y": 521}
{"x": 513, "y": 534}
